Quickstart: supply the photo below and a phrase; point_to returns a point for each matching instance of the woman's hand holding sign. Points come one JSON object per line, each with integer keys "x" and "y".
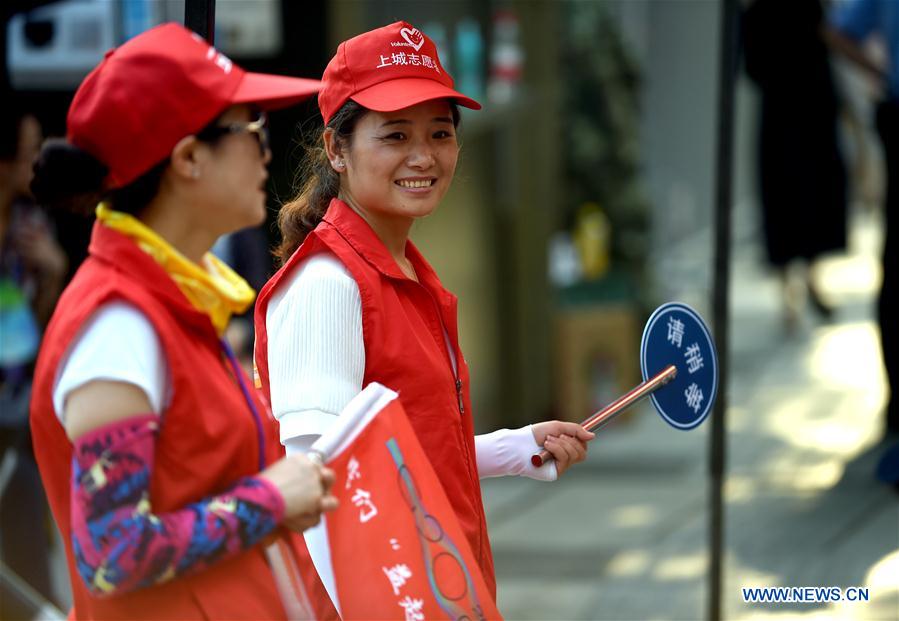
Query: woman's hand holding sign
{"x": 566, "y": 442}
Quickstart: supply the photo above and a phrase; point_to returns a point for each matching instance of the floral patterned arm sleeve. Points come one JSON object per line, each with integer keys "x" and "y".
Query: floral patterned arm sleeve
{"x": 121, "y": 545}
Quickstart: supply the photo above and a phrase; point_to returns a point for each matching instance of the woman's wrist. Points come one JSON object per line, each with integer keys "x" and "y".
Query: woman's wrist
{"x": 274, "y": 498}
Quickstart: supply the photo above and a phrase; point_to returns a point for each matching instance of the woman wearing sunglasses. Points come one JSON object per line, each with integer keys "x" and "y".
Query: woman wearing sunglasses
{"x": 163, "y": 468}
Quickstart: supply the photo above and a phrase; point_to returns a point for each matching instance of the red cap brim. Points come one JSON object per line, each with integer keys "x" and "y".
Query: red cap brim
{"x": 274, "y": 91}
{"x": 404, "y": 92}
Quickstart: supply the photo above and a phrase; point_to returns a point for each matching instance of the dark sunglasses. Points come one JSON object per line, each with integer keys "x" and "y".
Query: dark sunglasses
{"x": 258, "y": 128}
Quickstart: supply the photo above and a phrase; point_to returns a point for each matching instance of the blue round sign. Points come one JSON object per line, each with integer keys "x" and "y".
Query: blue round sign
{"x": 676, "y": 334}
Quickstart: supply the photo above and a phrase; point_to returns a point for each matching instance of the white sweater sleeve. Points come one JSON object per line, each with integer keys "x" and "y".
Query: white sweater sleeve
{"x": 119, "y": 344}
{"x": 508, "y": 452}
{"x": 316, "y": 353}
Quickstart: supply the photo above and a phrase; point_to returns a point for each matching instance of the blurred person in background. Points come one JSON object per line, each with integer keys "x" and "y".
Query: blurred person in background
{"x": 802, "y": 177}
{"x": 852, "y": 24}
{"x": 356, "y": 302}
{"x": 32, "y": 269}
{"x": 162, "y": 466}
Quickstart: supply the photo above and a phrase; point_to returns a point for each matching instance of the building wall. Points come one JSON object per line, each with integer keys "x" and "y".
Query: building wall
{"x": 678, "y": 45}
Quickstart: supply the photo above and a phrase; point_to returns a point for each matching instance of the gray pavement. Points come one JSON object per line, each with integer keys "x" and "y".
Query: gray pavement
{"x": 624, "y": 536}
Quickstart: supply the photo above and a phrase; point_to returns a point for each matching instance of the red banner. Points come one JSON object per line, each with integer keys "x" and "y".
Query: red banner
{"x": 397, "y": 550}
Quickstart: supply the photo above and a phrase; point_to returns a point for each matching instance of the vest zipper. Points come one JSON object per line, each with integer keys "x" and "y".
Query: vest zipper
{"x": 468, "y": 458}
{"x": 446, "y": 344}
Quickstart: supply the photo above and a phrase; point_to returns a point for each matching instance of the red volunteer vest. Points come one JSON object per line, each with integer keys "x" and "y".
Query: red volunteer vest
{"x": 403, "y": 324}
{"x": 208, "y": 439}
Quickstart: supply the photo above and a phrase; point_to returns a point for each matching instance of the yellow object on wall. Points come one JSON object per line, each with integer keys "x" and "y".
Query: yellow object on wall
{"x": 592, "y": 233}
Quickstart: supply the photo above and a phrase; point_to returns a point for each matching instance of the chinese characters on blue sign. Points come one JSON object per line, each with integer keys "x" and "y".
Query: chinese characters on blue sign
{"x": 675, "y": 334}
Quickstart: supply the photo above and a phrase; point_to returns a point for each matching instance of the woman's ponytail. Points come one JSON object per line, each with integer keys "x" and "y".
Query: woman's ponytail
{"x": 319, "y": 183}
{"x": 66, "y": 177}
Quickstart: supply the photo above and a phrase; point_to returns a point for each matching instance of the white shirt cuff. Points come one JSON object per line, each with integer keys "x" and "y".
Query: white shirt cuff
{"x": 304, "y": 423}
{"x": 508, "y": 452}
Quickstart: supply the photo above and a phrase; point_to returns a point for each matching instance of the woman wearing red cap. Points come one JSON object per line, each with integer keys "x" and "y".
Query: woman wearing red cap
{"x": 356, "y": 302}
{"x": 162, "y": 467}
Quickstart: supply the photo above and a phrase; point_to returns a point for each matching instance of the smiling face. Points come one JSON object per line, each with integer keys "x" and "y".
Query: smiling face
{"x": 399, "y": 164}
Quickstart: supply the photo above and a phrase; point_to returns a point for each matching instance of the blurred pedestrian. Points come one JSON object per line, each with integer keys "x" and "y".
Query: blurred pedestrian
{"x": 356, "y": 302}
{"x": 32, "y": 269}
{"x": 852, "y": 24}
{"x": 162, "y": 467}
{"x": 802, "y": 177}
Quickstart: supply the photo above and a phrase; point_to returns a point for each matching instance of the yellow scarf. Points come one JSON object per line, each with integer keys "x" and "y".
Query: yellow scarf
{"x": 212, "y": 288}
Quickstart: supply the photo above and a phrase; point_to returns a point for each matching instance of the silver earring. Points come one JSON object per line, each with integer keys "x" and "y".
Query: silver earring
{"x": 195, "y": 173}
{"x": 340, "y": 165}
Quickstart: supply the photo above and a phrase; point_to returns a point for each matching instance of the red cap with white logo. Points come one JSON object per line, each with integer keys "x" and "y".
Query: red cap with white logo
{"x": 387, "y": 69}
{"x": 157, "y": 88}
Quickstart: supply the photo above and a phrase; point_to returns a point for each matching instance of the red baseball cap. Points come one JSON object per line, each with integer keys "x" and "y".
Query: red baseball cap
{"x": 387, "y": 69}
{"x": 157, "y": 88}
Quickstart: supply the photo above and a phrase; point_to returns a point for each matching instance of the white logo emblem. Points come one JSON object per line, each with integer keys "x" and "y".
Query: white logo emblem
{"x": 414, "y": 37}
{"x": 223, "y": 62}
